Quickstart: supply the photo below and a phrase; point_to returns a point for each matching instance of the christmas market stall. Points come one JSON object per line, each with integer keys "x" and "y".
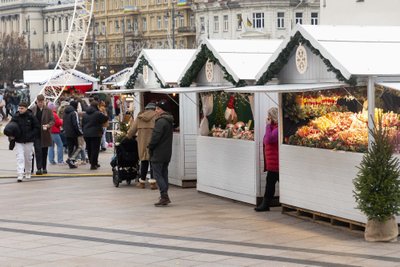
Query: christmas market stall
{"x": 332, "y": 82}
{"x": 119, "y": 79}
{"x": 155, "y": 73}
{"x": 228, "y": 140}
{"x": 78, "y": 81}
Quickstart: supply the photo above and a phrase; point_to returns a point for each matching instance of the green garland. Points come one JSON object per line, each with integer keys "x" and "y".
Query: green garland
{"x": 201, "y": 59}
{"x": 285, "y": 54}
{"x": 130, "y": 84}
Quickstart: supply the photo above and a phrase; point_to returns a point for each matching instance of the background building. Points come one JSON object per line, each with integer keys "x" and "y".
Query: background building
{"x": 272, "y": 19}
{"x": 360, "y": 12}
{"x": 122, "y": 28}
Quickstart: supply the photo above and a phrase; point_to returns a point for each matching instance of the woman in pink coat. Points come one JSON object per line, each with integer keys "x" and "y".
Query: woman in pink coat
{"x": 271, "y": 158}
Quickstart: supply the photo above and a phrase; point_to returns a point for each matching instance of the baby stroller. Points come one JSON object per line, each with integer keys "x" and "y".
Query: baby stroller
{"x": 125, "y": 162}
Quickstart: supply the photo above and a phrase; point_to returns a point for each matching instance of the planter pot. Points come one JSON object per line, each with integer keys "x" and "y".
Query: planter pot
{"x": 376, "y": 231}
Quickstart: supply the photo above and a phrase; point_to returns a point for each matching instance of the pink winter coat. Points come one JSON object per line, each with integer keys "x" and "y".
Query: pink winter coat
{"x": 271, "y": 151}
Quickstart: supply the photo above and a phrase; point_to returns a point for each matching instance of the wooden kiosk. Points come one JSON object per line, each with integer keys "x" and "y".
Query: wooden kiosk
{"x": 153, "y": 73}
{"x": 315, "y": 66}
{"x": 229, "y": 167}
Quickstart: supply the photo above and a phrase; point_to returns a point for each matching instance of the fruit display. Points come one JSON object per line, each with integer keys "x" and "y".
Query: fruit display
{"x": 343, "y": 130}
{"x": 238, "y": 130}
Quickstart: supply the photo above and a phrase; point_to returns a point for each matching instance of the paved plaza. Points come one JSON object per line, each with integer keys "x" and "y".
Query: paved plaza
{"x": 70, "y": 219}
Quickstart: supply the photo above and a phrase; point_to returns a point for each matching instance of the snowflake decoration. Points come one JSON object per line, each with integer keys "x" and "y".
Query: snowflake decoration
{"x": 301, "y": 59}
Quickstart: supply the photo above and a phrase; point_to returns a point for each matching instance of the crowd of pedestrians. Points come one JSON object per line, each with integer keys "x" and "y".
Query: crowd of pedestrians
{"x": 45, "y": 131}
{"x": 41, "y": 133}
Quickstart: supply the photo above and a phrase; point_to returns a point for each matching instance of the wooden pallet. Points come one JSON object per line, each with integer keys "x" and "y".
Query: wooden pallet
{"x": 322, "y": 218}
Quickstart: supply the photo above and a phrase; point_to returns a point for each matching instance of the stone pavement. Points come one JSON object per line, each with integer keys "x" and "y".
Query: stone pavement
{"x": 86, "y": 221}
{"x": 8, "y": 165}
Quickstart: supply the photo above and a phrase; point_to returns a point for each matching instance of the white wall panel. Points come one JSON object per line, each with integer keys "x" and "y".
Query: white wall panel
{"x": 227, "y": 168}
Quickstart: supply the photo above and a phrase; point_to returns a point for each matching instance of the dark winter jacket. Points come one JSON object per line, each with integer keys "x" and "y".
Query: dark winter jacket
{"x": 92, "y": 122}
{"x": 28, "y": 125}
{"x": 160, "y": 146}
{"x": 71, "y": 125}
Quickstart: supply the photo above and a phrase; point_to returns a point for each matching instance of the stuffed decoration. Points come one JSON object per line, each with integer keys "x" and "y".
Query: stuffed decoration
{"x": 230, "y": 113}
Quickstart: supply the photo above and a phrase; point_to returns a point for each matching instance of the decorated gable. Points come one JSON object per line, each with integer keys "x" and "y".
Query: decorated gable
{"x": 304, "y": 66}
{"x": 211, "y": 74}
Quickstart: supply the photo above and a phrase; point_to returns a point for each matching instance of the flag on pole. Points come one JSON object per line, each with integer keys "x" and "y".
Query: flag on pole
{"x": 248, "y": 23}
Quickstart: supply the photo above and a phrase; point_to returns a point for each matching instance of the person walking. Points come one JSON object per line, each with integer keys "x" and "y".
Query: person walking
{"x": 29, "y": 129}
{"x": 43, "y": 142}
{"x": 72, "y": 132}
{"x": 92, "y": 124}
{"x": 55, "y": 137}
{"x": 160, "y": 149}
{"x": 271, "y": 159}
{"x": 143, "y": 127}
{"x": 2, "y": 107}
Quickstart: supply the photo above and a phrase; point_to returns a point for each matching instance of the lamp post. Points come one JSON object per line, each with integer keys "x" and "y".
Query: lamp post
{"x": 94, "y": 46}
{"x": 123, "y": 43}
{"x": 28, "y": 33}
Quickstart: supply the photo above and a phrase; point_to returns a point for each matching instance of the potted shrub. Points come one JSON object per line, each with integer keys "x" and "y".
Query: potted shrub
{"x": 377, "y": 187}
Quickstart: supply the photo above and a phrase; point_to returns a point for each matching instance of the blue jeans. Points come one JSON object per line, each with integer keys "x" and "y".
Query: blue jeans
{"x": 56, "y": 141}
{"x": 160, "y": 172}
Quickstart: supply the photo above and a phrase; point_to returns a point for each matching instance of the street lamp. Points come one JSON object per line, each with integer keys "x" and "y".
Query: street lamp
{"x": 173, "y": 16}
{"x": 28, "y": 33}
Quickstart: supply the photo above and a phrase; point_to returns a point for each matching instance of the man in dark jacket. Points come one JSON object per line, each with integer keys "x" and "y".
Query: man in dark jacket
{"x": 160, "y": 149}
{"x": 72, "y": 130}
{"x": 29, "y": 129}
{"x": 92, "y": 123}
{"x": 42, "y": 143}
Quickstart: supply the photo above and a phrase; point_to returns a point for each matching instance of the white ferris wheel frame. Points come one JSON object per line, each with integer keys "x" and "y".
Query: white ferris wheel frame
{"x": 71, "y": 53}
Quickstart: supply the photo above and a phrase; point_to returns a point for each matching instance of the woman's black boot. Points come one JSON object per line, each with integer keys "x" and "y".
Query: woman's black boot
{"x": 263, "y": 206}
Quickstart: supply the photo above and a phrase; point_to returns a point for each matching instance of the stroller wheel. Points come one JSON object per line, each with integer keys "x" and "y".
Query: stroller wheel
{"x": 128, "y": 181}
{"x": 115, "y": 178}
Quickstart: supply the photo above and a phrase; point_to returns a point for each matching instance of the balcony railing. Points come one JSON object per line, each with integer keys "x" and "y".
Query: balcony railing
{"x": 187, "y": 29}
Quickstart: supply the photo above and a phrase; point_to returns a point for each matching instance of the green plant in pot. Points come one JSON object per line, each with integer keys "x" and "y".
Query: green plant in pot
{"x": 377, "y": 187}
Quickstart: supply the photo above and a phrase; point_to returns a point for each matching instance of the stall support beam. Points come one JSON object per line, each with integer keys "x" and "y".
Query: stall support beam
{"x": 371, "y": 107}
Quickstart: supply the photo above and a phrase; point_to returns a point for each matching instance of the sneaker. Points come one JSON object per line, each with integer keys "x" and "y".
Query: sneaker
{"x": 44, "y": 171}
{"x": 62, "y": 163}
{"x": 71, "y": 164}
{"x": 103, "y": 149}
{"x": 93, "y": 167}
{"x": 39, "y": 172}
{"x": 28, "y": 176}
{"x": 53, "y": 163}
{"x": 20, "y": 178}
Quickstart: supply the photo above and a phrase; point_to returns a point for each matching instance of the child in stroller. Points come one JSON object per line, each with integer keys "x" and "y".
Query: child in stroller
{"x": 125, "y": 162}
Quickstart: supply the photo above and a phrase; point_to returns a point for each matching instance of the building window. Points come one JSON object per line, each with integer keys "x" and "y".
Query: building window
{"x": 314, "y": 18}
{"x": 216, "y": 24}
{"x": 226, "y": 23}
{"x": 258, "y": 20}
{"x": 144, "y": 24}
{"x": 96, "y": 28}
{"x": 299, "y": 18}
{"x": 165, "y": 22}
{"x": 66, "y": 23}
{"x": 135, "y": 24}
{"x": 129, "y": 25}
{"x": 116, "y": 25}
{"x": 53, "y": 24}
{"x": 239, "y": 21}
{"x": 182, "y": 44}
{"x": 191, "y": 21}
{"x": 103, "y": 27}
{"x": 181, "y": 21}
{"x": 280, "y": 21}
{"x": 202, "y": 25}
{"x": 59, "y": 24}
{"x": 158, "y": 22}
{"x": 46, "y": 29}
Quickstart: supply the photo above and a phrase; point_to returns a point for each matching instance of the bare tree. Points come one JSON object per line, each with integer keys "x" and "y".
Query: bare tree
{"x": 15, "y": 58}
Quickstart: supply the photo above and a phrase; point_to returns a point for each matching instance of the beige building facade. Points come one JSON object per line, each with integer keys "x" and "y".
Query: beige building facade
{"x": 121, "y": 28}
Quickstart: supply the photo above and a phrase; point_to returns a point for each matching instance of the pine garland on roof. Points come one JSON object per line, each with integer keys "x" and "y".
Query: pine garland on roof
{"x": 283, "y": 58}
{"x": 201, "y": 59}
{"x": 130, "y": 84}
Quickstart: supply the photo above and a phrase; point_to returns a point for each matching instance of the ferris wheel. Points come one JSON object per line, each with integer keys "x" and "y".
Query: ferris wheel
{"x": 72, "y": 51}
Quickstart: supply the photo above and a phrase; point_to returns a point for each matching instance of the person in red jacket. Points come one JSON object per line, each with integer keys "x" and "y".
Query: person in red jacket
{"x": 271, "y": 158}
{"x": 55, "y": 137}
